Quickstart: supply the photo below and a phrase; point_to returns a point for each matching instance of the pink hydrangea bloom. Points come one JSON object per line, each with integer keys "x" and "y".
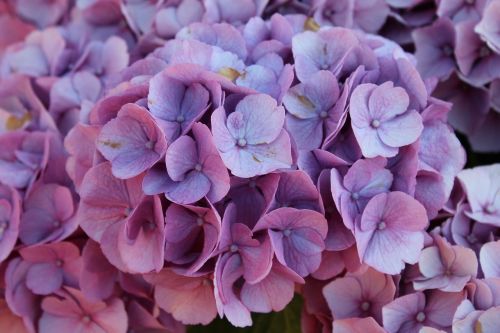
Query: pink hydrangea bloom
{"x": 106, "y": 200}
{"x": 381, "y": 120}
{"x": 390, "y": 232}
{"x": 445, "y": 267}
{"x": 73, "y": 312}
{"x": 222, "y": 156}
{"x": 411, "y": 312}
{"x": 177, "y": 295}
{"x": 60, "y": 261}
{"x": 361, "y": 294}
{"x": 273, "y": 292}
{"x": 468, "y": 319}
{"x": 482, "y": 185}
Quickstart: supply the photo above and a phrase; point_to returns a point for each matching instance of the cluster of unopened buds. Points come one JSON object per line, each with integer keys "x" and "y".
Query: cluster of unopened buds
{"x": 163, "y": 163}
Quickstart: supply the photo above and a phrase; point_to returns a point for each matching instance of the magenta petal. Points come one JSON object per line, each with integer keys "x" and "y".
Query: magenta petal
{"x": 357, "y": 325}
{"x": 228, "y": 269}
{"x": 273, "y": 293}
{"x": 257, "y": 261}
{"x": 98, "y": 276}
{"x": 181, "y": 295}
{"x": 384, "y": 231}
{"x": 106, "y": 199}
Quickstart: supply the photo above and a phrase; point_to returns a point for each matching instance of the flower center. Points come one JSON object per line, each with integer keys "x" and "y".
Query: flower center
{"x": 86, "y": 319}
{"x": 252, "y": 184}
{"x": 381, "y": 225}
{"x": 59, "y": 263}
{"x": 490, "y": 209}
{"x": 355, "y": 195}
{"x": 150, "y": 225}
{"x": 447, "y": 50}
{"x": 150, "y": 144}
{"x": 180, "y": 118}
{"x": 420, "y": 317}
{"x": 311, "y": 24}
{"x": 323, "y": 114}
{"x": 478, "y": 327}
{"x": 365, "y": 306}
{"x": 472, "y": 238}
{"x": 242, "y": 142}
{"x": 325, "y": 66}
{"x": 230, "y": 73}
{"x": 56, "y": 224}
{"x": 127, "y": 211}
{"x": 470, "y": 2}
{"x": 233, "y": 248}
{"x": 197, "y": 167}
{"x": 375, "y": 123}
{"x": 287, "y": 232}
{"x": 484, "y": 51}
{"x": 199, "y": 221}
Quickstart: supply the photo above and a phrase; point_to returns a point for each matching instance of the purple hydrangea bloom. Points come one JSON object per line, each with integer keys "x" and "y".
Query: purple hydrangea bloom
{"x": 195, "y": 169}
{"x": 132, "y": 142}
{"x": 251, "y": 140}
{"x": 170, "y": 101}
{"x": 488, "y": 28}
{"x": 185, "y": 226}
{"x": 364, "y": 179}
{"x": 314, "y": 110}
{"x": 297, "y": 237}
{"x": 445, "y": 267}
{"x": 435, "y": 49}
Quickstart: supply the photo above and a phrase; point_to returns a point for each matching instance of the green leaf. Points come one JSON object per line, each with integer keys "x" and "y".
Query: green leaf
{"x": 286, "y": 321}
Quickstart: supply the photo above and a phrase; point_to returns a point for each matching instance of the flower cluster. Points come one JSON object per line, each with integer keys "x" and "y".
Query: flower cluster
{"x": 165, "y": 162}
{"x": 461, "y": 48}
